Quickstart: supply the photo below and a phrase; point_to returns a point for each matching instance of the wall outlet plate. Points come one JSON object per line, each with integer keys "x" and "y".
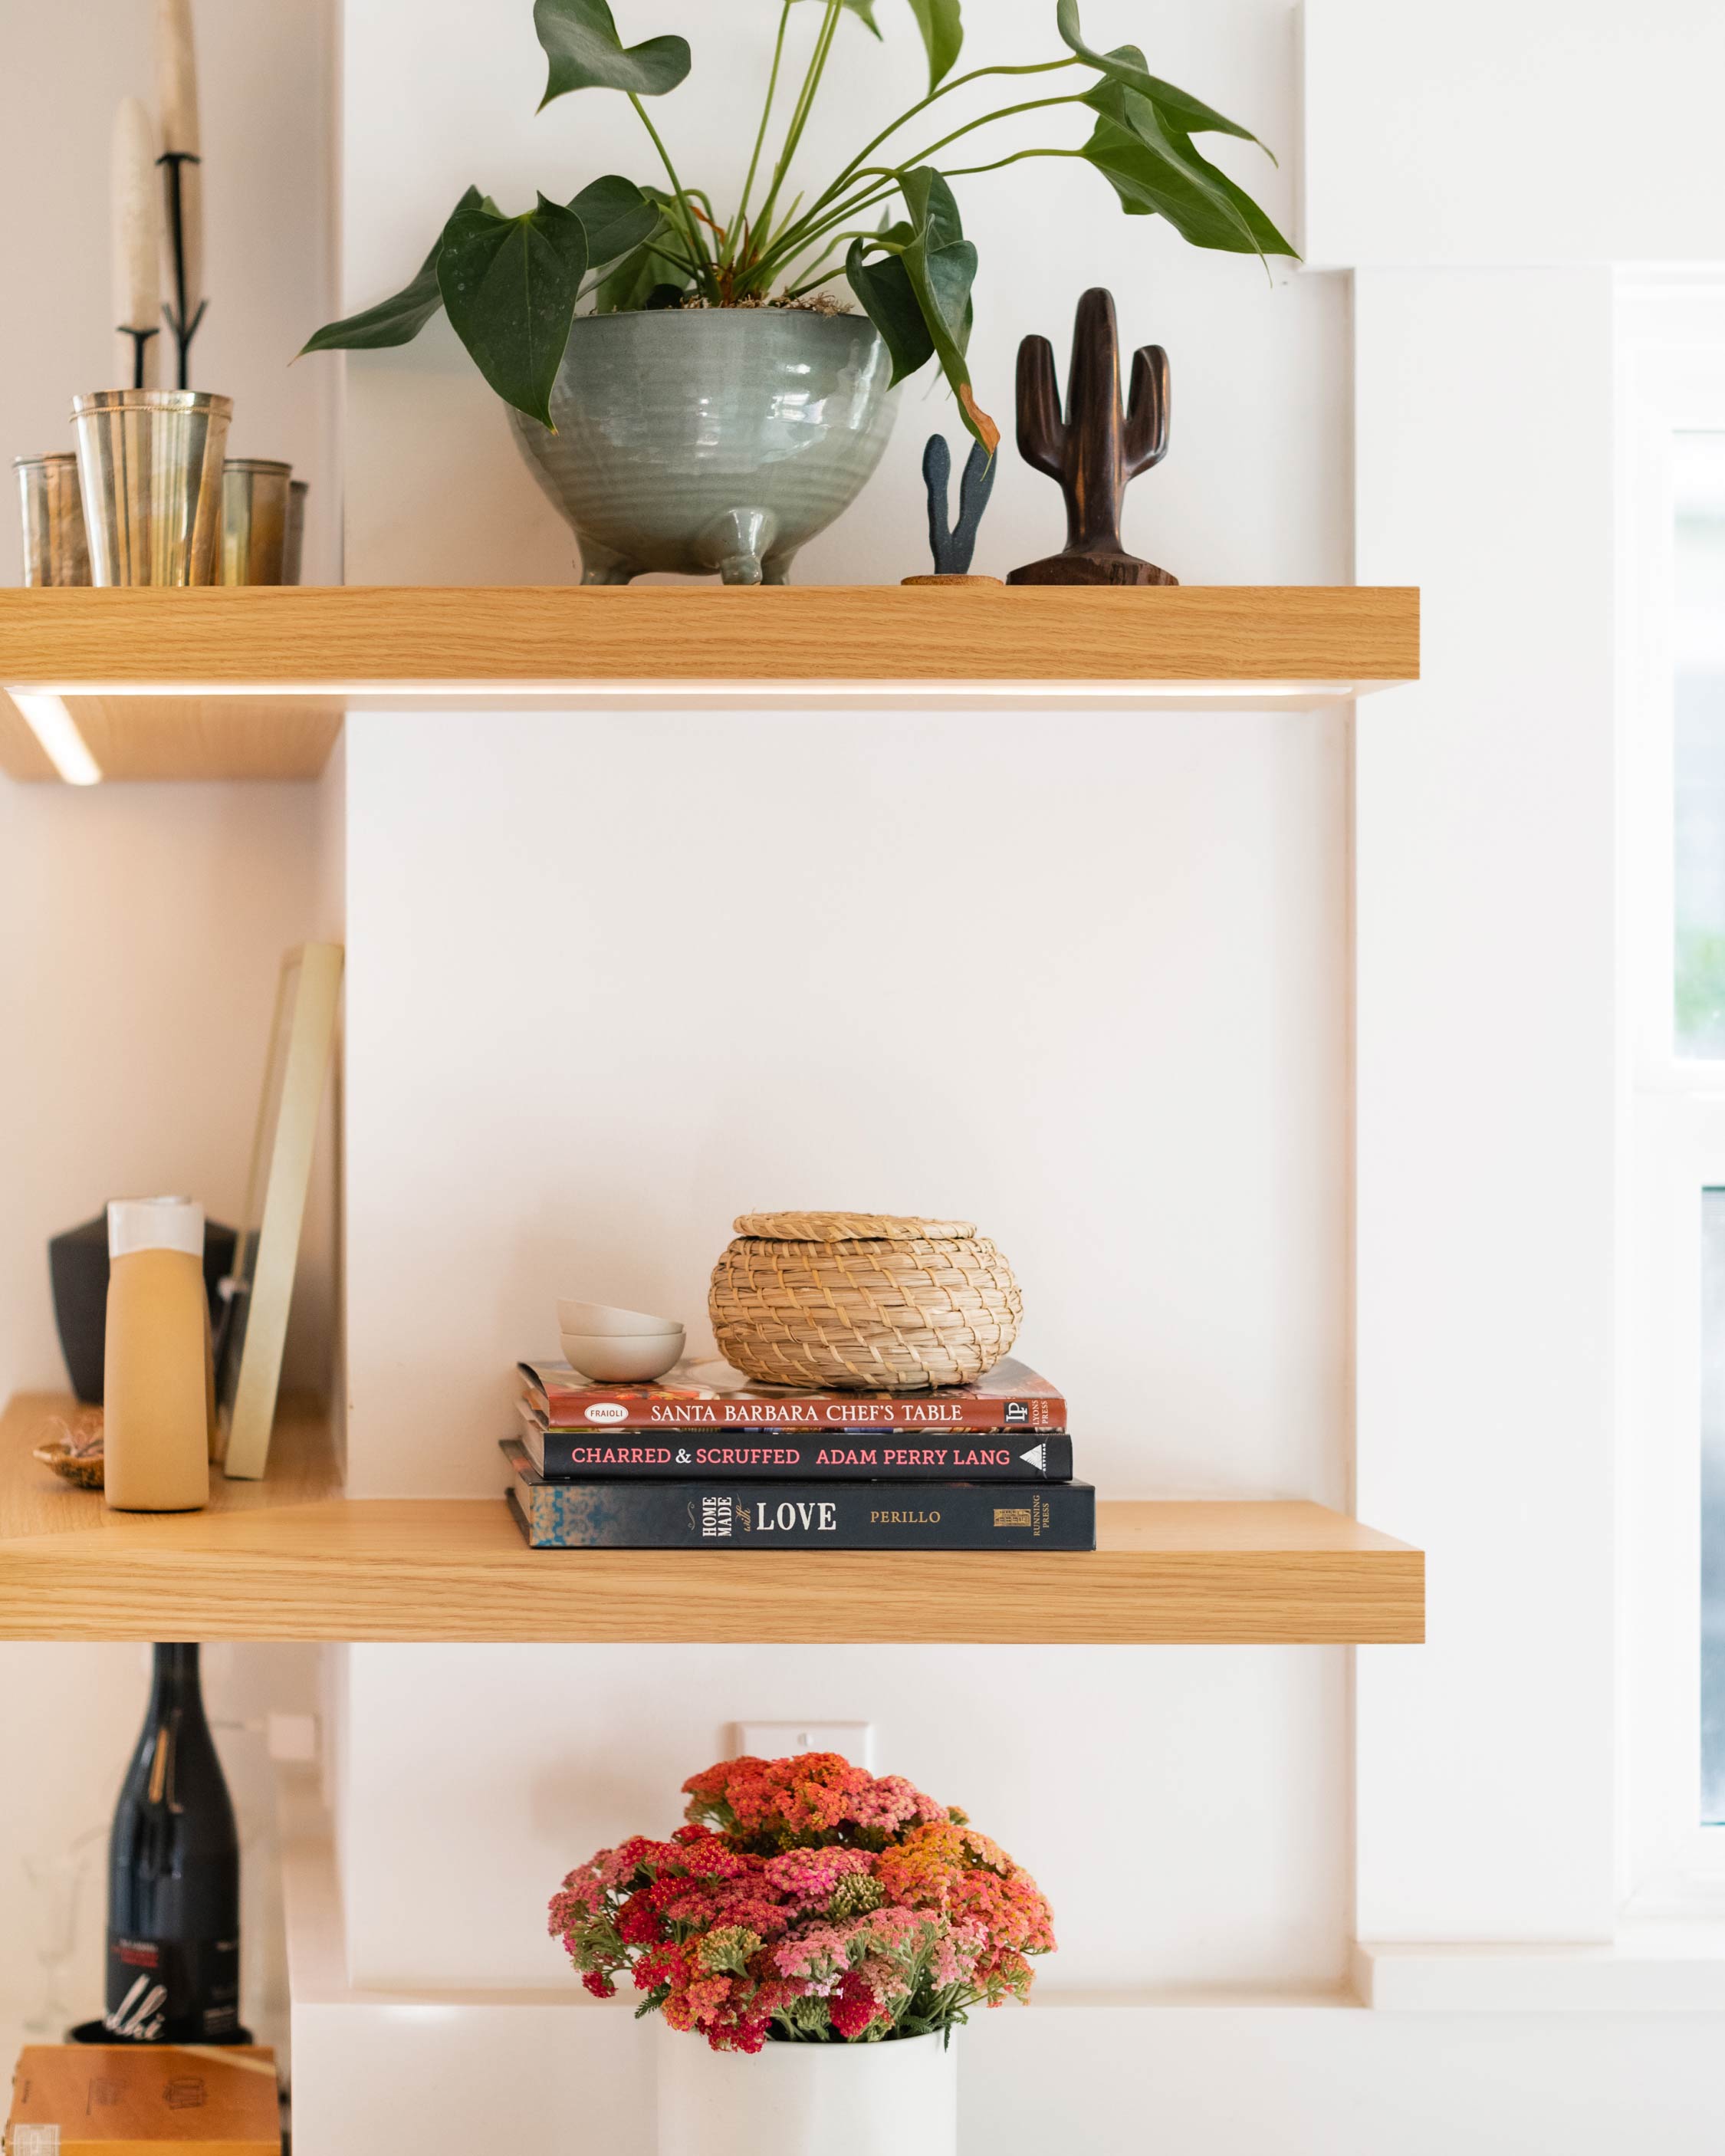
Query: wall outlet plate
{"x": 783, "y": 1740}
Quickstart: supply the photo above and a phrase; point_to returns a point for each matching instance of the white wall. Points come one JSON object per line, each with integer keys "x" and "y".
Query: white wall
{"x": 615, "y": 977}
{"x": 144, "y": 925}
{"x": 148, "y": 922}
{"x": 136, "y": 984}
{"x": 1482, "y": 134}
{"x": 1078, "y": 979}
{"x": 496, "y": 1770}
{"x": 1254, "y": 489}
{"x": 266, "y": 75}
{"x": 1230, "y": 2076}
{"x": 1487, "y": 1103}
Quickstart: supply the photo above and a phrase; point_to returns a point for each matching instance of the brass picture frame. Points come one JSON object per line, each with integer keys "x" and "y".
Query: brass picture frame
{"x": 260, "y": 1291}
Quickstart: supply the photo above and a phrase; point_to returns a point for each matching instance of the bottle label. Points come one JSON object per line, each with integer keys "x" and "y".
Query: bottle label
{"x": 172, "y": 1991}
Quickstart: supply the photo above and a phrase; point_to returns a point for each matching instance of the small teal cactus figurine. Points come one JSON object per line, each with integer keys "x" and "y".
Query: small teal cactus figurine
{"x": 954, "y": 547}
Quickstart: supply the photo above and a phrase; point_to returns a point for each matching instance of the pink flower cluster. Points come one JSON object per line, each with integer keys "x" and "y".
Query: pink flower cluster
{"x": 806, "y": 1902}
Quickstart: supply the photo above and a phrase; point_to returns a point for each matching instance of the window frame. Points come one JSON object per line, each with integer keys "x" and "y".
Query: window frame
{"x": 1671, "y": 381}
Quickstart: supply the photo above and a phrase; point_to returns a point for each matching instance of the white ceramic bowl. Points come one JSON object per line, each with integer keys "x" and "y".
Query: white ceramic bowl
{"x": 591, "y": 1319}
{"x": 625, "y": 1359}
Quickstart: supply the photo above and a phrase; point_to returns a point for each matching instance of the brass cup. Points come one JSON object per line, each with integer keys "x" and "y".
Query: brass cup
{"x": 293, "y": 551}
{"x": 150, "y": 469}
{"x": 255, "y": 501}
{"x": 55, "y": 551}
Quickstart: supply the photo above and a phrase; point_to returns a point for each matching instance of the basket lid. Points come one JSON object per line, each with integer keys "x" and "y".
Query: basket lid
{"x": 851, "y": 1228}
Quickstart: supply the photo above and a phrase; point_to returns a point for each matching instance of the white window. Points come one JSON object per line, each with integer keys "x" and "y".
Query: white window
{"x": 1672, "y": 1413}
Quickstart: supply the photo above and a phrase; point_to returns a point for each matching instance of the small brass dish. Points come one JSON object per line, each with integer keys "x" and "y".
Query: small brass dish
{"x": 74, "y": 1450}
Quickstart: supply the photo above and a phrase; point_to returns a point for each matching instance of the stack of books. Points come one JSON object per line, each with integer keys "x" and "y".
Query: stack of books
{"x": 704, "y": 1460}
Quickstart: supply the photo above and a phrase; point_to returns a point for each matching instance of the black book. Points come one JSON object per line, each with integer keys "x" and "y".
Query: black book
{"x": 793, "y": 1456}
{"x": 722, "y": 1512}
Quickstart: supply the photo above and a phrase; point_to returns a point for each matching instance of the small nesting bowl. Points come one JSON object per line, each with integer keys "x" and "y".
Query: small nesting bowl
{"x": 591, "y": 1320}
{"x": 623, "y": 1359}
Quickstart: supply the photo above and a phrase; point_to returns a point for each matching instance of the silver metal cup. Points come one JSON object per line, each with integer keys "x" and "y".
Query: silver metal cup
{"x": 150, "y": 469}
{"x": 255, "y": 520}
{"x": 55, "y": 551}
{"x": 293, "y": 552}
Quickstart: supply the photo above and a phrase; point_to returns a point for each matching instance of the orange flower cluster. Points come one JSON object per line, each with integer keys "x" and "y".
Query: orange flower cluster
{"x": 807, "y": 1902}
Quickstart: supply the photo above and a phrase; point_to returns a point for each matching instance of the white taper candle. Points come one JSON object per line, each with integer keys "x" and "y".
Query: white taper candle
{"x": 176, "y": 93}
{"x": 177, "y": 77}
{"x": 137, "y": 285}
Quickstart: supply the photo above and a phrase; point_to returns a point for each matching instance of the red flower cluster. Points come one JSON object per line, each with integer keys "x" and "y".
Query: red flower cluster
{"x": 808, "y": 1901}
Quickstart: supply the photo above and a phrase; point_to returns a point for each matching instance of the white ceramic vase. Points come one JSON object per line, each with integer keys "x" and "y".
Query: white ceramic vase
{"x": 898, "y": 2099}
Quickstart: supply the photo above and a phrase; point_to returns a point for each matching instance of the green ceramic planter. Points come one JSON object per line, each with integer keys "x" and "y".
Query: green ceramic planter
{"x": 709, "y": 441}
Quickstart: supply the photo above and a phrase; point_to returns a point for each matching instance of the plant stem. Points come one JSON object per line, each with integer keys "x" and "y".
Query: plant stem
{"x": 882, "y": 194}
{"x": 821, "y": 262}
{"x": 804, "y": 105}
{"x": 964, "y": 171}
{"x": 794, "y": 242}
{"x": 743, "y": 208}
{"x": 1006, "y": 112}
{"x": 691, "y": 223}
{"x": 976, "y": 74}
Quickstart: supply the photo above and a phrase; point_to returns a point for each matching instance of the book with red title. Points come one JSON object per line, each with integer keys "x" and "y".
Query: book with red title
{"x": 816, "y": 1455}
{"x": 703, "y": 1399}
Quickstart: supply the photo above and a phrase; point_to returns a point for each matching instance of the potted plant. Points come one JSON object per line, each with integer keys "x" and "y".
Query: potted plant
{"x": 686, "y": 389}
{"x": 824, "y": 1930}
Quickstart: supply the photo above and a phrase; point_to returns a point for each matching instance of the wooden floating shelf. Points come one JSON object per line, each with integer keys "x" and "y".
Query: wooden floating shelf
{"x": 291, "y": 1558}
{"x": 252, "y": 683}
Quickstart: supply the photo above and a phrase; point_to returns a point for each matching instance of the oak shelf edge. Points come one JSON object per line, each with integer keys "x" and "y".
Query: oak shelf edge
{"x": 291, "y": 1558}
{"x": 252, "y": 682}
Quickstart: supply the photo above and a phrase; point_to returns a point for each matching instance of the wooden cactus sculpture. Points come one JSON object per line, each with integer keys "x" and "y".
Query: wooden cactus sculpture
{"x": 1096, "y": 450}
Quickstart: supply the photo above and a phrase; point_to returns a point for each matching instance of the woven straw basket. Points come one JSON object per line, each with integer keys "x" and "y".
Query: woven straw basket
{"x": 863, "y": 1301}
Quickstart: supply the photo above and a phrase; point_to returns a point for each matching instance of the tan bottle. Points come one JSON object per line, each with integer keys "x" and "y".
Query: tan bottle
{"x": 158, "y": 1391}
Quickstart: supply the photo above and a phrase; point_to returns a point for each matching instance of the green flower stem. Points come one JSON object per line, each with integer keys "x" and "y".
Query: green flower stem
{"x": 822, "y": 262}
{"x": 691, "y": 223}
{"x": 1017, "y": 156}
{"x": 797, "y": 241}
{"x": 793, "y": 243}
{"x": 958, "y": 82}
{"x": 742, "y": 207}
{"x": 804, "y": 105}
{"x": 1006, "y": 112}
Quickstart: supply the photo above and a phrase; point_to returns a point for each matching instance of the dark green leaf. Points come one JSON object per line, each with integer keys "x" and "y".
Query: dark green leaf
{"x": 927, "y": 277}
{"x": 510, "y": 283}
{"x": 889, "y": 299}
{"x": 397, "y": 321}
{"x": 942, "y": 263}
{"x": 943, "y": 33}
{"x": 581, "y": 42}
{"x": 1128, "y": 66}
{"x": 617, "y": 216}
{"x": 1156, "y": 171}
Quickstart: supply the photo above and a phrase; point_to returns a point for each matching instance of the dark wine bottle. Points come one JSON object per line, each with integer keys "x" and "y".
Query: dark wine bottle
{"x": 173, "y": 1876}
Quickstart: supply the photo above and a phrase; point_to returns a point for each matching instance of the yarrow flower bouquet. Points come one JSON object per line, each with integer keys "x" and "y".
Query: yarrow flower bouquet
{"x": 806, "y": 1903}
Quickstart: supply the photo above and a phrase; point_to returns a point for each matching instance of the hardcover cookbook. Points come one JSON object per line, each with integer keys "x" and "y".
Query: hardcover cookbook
{"x": 720, "y": 1513}
{"x": 811, "y": 1455}
{"x": 703, "y": 1396}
